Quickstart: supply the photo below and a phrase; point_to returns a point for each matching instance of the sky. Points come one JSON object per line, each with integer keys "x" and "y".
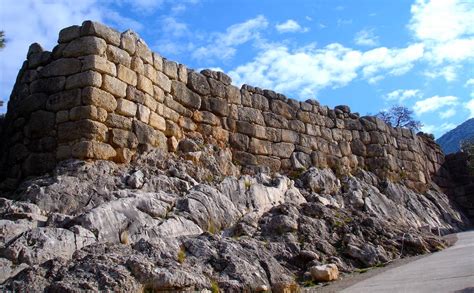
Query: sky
{"x": 368, "y": 54}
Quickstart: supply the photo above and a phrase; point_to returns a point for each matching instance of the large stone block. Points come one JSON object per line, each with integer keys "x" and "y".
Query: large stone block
{"x": 260, "y": 147}
{"x": 289, "y": 136}
{"x": 145, "y": 133}
{"x": 239, "y": 141}
{"x": 126, "y": 108}
{"x": 157, "y": 121}
{"x": 252, "y": 130}
{"x": 32, "y": 103}
{"x": 85, "y": 46}
{"x": 283, "y": 149}
{"x": 274, "y": 164}
{"x": 69, "y": 33}
{"x": 185, "y": 96}
{"x": 92, "y": 28}
{"x": 99, "y": 64}
{"x": 183, "y": 73}
{"x": 99, "y": 98}
{"x": 114, "y": 86}
{"x": 198, "y": 83}
{"x": 274, "y": 120}
{"x": 206, "y": 117}
{"x": 128, "y": 41}
{"x": 63, "y": 66}
{"x": 84, "y": 79}
{"x": 89, "y": 129}
{"x": 251, "y": 115}
{"x": 126, "y": 75}
{"x": 64, "y": 100}
{"x": 163, "y": 81}
{"x": 233, "y": 95}
{"x": 282, "y": 108}
{"x": 150, "y": 72}
{"x": 37, "y": 164}
{"x": 244, "y": 158}
{"x": 117, "y": 121}
{"x": 41, "y": 123}
{"x": 217, "y": 88}
{"x": 93, "y": 150}
{"x": 144, "y": 52}
{"x": 143, "y": 114}
{"x": 260, "y": 102}
{"x": 170, "y": 68}
{"x": 123, "y": 139}
{"x": 145, "y": 84}
{"x": 48, "y": 85}
{"x": 187, "y": 123}
{"x": 86, "y": 112}
{"x": 118, "y": 56}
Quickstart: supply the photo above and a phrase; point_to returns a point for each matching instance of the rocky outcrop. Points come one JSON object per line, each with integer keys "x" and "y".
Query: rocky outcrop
{"x": 163, "y": 223}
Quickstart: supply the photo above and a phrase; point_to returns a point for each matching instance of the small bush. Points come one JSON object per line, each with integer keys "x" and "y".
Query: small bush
{"x": 181, "y": 255}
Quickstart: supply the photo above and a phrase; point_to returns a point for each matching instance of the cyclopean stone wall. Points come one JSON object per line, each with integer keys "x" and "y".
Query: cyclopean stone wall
{"x": 101, "y": 94}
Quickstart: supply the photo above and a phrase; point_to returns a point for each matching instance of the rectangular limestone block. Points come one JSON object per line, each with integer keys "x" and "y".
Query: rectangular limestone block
{"x": 233, "y": 95}
{"x": 123, "y": 139}
{"x": 143, "y": 114}
{"x": 87, "y": 112}
{"x": 83, "y": 46}
{"x": 145, "y": 84}
{"x": 144, "y": 52}
{"x": 185, "y": 96}
{"x": 137, "y": 65}
{"x": 126, "y": 75}
{"x": 99, "y": 64}
{"x": 92, "y": 150}
{"x": 170, "y": 68}
{"x": 63, "y": 66}
{"x": 118, "y": 56}
{"x": 158, "y": 62}
{"x": 151, "y": 73}
{"x": 163, "y": 81}
{"x": 126, "y": 108}
{"x": 157, "y": 122}
{"x": 289, "y": 136}
{"x": 69, "y": 33}
{"x": 64, "y": 100}
{"x": 128, "y": 41}
{"x": 176, "y": 106}
{"x": 274, "y": 164}
{"x": 48, "y": 85}
{"x": 283, "y": 150}
{"x": 150, "y": 102}
{"x": 183, "y": 73}
{"x": 206, "y": 117}
{"x": 118, "y": 121}
{"x": 252, "y": 130}
{"x": 97, "y": 97}
{"x": 260, "y": 147}
{"x": 187, "y": 123}
{"x": 84, "y": 79}
{"x": 89, "y": 129}
{"x": 92, "y": 28}
{"x": 114, "y": 86}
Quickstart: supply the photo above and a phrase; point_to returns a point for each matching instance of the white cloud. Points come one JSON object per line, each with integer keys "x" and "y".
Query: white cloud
{"x": 401, "y": 95}
{"x": 390, "y": 61}
{"x": 442, "y": 20}
{"x": 448, "y": 72}
{"x": 290, "y": 26}
{"x": 438, "y": 129}
{"x": 366, "y": 37}
{"x": 470, "y": 107}
{"x": 222, "y": 45}
{"x": 434, "y": 103}
{"x": 448, "y": 113}
{"x": 174, "y": 28}
{"x": 469, "y": 82}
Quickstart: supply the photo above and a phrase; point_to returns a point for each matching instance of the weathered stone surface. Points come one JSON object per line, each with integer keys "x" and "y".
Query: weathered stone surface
{"x": 260, "y": 147}
{"x": 183, "y": 73}
{"x": 64, "y": 100}
{"x": 114, "y": 86}
{"x": 251, "y": 115}
{"x": 124, "y": 139}
{"x": 183, "y": 95}
{"x": 126, "y": 108}
{"x": 48, "y": 85}
{"x": 170, "y": 68}
{"x": 118, "y": 56}
{"x": 252, "y": 130}
{"x": 128, "y": 41}
{"x": 99, "y": 98}
{"x": 41, "y": 123}
{"x": 85, "y": 112}
{"x": 283, "y": 149}
{"x": 69, "y": 33}
{"x": 324, "y": 273}
{"x": 85, "y": 46}
{"x": 99, "y": 64}
{"x": 93, "y": 150}
{"x": 198, "y": 83}
{"x": 163, "y": 81}
{"x": 92, "y": 28}
{"x": 84, "y": 79}
{"x": 63, "y": 66}
{"x": 117, "y": 121}
{"x": 143, "y": 114}
{"x": 144, "y": 52}
{"x": 88, "y": 129}
{"x": 282, "y": 108}
{"x": 145, "y": 84}
{"x": 127, "y": 75}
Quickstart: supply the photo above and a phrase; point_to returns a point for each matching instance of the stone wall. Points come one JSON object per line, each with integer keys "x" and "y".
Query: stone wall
{"x": 101, "y": 94}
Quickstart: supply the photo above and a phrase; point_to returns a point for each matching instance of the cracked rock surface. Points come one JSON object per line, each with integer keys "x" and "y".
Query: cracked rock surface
{"x": 165, "y": 222}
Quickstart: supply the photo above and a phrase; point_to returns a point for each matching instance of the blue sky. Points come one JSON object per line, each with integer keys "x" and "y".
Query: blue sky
{"x": 368, "y": 54}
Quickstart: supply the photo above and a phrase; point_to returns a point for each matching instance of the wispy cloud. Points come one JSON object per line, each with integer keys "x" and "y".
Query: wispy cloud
{"x": 402, "y": 95}
{"x": 290, "y": 26}
{"x": 448, "y": 113}
{"x": 366, "y": 37}
{"x": 223, "y": 45}
{"x": 434, "y": 103}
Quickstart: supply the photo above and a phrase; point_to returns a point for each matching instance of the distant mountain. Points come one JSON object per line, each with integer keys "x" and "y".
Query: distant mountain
{"x": 451, "y": 140}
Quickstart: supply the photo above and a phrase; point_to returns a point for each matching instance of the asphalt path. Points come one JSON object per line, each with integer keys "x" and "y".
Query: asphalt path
{"x": 450, "y": 270}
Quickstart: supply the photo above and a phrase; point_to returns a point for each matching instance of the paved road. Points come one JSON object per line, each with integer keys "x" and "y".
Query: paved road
{"x": 450, "y": 270}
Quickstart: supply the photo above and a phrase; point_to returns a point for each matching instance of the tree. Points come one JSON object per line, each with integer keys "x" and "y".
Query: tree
{"x": 399, "y": 116}
{"x": 2, "y": 39}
